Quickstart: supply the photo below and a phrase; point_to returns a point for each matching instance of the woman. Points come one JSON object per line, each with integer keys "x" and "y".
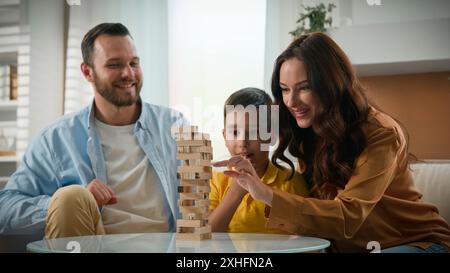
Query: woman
{"x": 354, "y": 157}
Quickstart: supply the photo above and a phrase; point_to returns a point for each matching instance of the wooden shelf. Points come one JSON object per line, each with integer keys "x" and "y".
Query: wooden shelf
{"x": 8, "y": 153}
{"x": 11, "y": 40}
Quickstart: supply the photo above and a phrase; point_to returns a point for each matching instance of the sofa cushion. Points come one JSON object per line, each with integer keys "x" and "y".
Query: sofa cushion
{"x": 433, "y": 181}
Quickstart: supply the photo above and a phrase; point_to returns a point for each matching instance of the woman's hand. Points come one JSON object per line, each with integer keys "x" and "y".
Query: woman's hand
{"x": 244, "y": 174}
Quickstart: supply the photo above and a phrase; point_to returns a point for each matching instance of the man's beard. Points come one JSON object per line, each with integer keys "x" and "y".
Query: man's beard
{"x": 114, "y": 97}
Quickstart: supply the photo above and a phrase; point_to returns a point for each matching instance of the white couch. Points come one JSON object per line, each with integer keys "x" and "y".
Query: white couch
{"x": 432, "y": 178}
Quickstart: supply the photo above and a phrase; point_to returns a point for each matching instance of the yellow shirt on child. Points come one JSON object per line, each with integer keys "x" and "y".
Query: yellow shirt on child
{"x": 249, "y": 216}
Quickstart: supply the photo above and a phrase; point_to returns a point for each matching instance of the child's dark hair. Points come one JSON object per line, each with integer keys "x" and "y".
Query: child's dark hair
{"x": 248, "y": 96}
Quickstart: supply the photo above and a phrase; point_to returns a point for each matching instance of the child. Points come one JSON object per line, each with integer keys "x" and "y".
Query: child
{"x": 232, "y": 208}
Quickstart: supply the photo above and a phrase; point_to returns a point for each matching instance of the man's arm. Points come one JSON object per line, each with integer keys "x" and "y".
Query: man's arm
{"x": 24, "y": 201}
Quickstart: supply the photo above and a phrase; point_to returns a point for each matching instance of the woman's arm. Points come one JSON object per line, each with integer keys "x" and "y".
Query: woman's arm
{"x": 343, "y": 216}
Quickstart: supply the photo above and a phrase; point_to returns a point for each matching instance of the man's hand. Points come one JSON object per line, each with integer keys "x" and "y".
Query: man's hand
{"x": 102, "y": 193}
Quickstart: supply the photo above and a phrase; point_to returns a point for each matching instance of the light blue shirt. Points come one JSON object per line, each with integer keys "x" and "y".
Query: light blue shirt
{"x": 69, "y": 152}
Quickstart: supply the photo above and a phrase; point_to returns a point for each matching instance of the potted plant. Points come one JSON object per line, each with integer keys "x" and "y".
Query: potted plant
{"x": 313, "y": 19}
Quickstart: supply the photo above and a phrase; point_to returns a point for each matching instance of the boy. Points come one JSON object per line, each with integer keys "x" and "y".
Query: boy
{"x": 232, "y": 208}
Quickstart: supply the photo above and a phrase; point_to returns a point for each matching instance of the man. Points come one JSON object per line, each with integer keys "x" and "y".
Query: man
{"x": 110, "y": 168}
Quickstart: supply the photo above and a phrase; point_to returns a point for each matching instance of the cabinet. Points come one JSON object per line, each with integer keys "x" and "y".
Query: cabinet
{"x": 8, "y": 113}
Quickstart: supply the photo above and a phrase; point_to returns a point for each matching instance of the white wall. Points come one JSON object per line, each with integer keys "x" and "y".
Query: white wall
{"x": 396, "y": 11}
{"x": 280, "y": 20}
{"x": 215, "y": 48}
{"x": 396, "y": 37}
{"x": 46, "y": 57}
{"x": 147, "y": 22}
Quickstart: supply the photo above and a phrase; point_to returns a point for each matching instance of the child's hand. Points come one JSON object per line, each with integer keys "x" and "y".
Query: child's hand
{"x": 245, "y": 175}
{"x": 235, "y": 188}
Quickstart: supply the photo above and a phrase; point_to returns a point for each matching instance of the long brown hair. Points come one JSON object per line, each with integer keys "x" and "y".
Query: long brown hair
{"x": 329, "y": 148}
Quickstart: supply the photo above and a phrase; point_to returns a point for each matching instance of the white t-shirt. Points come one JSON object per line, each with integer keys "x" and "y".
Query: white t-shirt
{"x": 142, "y": 205}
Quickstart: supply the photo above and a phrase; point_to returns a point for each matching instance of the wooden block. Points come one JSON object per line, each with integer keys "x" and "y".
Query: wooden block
{"x": 194, "y": 196}
{"x": 193, "y": 156}
{"x": 203, "y": 189}
{"x": 206, "y": 143}
{"x": 183, "y": 129}
{"x": 194, "y": 169}
{"x": 194, "y": 202}
{"x": 193, "y": 236}
{"x": 195, "y": 149}
{"x": 198, "y": 162}
{"x": 197, "y": 182}
{"x": 192, "y": 176}
{"x": 194, "y": 216}
{"x": 7, "y": 153}
{"x": 194, "y": 230}
{"x": 193, "y": 209}
{"x": 191, "y": 136}
{"x": 196, "y": 189}
{"x": 191, "y": 223}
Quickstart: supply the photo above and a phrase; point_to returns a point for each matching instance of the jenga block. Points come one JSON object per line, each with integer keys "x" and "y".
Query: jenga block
{"x": 206, "y": 143}
{"x": 192, "y": 176}
{"x": 198, "y": 162}
{"x": 191, "y": 223}
{"x": 194, "y": 169}
{"x": 200, "y": 136}
{"x": 196, "y": 189}
{"x": 194, "y": 149}
{"x": 197, "y": 182}
{"x": 194, "y": 202}
{"x": 203, "y": 189}
{"x": 192, "y": 156}
{"x": 193, "y": 236}
{"x": 192, "y": 209}
{"x": 183, "y": 129}
{"x": 194, "y": 216}
{"x": 194, "y": 196}
{"x": 194, "y": 230}
{"x": 191, "y": 136}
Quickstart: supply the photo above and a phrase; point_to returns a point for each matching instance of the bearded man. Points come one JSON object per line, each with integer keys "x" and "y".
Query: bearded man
{"x": 108, "y": 169}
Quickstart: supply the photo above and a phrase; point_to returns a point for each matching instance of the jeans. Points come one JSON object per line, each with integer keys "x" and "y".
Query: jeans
{"x": 434, "y": 248}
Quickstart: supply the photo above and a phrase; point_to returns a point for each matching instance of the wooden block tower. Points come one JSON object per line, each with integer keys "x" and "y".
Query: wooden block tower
{"x": 194, "y": 148}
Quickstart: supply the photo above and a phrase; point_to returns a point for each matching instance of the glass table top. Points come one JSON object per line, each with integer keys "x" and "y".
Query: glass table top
{"x": 167, "y": 243}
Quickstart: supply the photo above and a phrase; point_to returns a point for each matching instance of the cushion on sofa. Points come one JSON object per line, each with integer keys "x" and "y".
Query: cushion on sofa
{"x": 433, "y": 181}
